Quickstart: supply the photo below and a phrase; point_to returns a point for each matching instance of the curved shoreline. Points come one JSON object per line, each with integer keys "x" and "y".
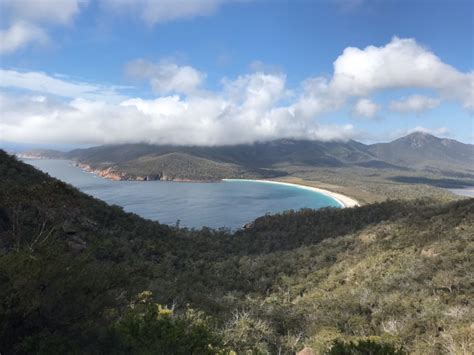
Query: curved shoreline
{"x": 343, "y": 200}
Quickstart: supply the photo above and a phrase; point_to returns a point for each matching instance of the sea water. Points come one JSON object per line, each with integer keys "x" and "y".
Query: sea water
{"x": 226, "y": 204}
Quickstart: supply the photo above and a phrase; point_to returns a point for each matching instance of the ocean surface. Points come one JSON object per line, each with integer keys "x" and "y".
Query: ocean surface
{"x": 226, "y": 204}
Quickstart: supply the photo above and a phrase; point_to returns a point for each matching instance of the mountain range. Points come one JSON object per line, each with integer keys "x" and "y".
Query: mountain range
{"x": 416, "y": 151}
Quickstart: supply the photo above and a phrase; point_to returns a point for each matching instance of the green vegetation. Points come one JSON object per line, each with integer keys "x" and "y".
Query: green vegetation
{"x": 173, "y": 166}
{"x": 79, "y": 276}
{"x": 363, "y": 347}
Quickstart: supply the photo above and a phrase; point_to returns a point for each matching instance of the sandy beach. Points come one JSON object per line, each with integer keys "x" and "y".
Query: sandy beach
{"x": 343, "y": 200}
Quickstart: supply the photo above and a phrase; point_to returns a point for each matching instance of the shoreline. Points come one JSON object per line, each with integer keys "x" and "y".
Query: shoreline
{"x": 343, "y": 200}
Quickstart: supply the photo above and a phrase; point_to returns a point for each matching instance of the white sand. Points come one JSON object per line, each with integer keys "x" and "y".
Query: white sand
{"x": 343, "y": 200}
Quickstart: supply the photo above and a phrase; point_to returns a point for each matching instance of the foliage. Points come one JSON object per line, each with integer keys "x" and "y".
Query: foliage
{"x": 363, "y": 347}
{"x": 150, "y": 328}
{"x": 399, "y": 271}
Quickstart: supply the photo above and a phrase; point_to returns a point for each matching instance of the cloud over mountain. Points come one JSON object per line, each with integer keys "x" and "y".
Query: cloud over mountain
{"x": 251, "y": 107}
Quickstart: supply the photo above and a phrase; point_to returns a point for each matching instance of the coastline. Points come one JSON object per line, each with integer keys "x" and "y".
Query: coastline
{"x": 110, "y": 174}
{"x": 343, "y": 200}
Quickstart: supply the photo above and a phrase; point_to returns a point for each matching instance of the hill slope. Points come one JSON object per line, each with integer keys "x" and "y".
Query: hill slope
{"x": 272, "y": 159}
{"x": 71, "y": 268}
{"x": 260, "y": 155}
{"x": 422, "y": 150}
{"x": 179, "y": 166}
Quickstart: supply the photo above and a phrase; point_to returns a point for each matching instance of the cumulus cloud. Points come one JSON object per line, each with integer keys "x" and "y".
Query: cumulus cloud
{"x": 166, "y": 77}
{"x": 26, "y": 20}
{"x": 414, "y": 103}
{"x": 247, "y": 110}
{"x": 365, "y": 108}
{"x": 252, "y": 107}
{"x": 402, "y": 63}
{"x": 161, "y": 11}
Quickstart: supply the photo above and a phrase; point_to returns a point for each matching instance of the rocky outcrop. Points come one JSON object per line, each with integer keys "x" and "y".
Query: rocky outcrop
{"x": 107, "y": 173}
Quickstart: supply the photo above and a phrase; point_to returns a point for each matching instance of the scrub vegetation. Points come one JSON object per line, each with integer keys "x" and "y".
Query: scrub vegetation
{"x": 80, "y": 276}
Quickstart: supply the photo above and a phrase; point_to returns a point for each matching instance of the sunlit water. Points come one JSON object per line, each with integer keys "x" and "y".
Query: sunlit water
{"x": 228, "y": 204}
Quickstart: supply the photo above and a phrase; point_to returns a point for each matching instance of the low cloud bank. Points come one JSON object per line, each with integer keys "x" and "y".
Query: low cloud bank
{"x": 252, "y": 107}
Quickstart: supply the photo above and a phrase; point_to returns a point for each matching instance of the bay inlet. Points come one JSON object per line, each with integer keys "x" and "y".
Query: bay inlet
{"x": 226, "y": 204}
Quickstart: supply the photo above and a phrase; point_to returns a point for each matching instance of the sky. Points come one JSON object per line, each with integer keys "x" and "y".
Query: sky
{"x": 214, "y": 72}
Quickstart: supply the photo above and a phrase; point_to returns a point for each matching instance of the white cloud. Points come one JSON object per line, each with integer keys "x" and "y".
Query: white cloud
{"x": 161, "y": 11}
{"x": 257, "y": 90}
{"x": 402, "y": 63}
{"x": 43, "y": 83}
{"x": 248, "y": 108}
{"x": 365, "y": 108}
{"x": 245, "y": 111}
{"x": 19, "y": 35}
{"x": 26, "y": 20}
{"x": 166, "y": 77}
{"x": 414, "y": 103}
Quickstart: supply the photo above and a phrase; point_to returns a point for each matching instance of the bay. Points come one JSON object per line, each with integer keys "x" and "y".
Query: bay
{"x": 226, "y": 204}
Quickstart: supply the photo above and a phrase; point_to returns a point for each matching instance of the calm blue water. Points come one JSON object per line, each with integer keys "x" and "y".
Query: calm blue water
{"x": 228, "y": 204}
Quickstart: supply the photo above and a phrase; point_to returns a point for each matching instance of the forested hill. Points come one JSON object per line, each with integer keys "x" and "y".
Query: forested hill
{"x": 270, "y": 159}
{"x": 79, "y": 276}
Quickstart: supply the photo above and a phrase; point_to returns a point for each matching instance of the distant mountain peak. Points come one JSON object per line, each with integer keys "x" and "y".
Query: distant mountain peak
{"x": 419, "y": 139}
{"x": 423, "y": 150}
{"x": 420, "y": 134}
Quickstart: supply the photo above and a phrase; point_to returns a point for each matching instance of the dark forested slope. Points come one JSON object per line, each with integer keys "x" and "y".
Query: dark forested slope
{"x": 79, "y": 276}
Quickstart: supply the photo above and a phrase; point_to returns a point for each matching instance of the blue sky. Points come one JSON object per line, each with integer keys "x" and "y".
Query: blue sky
{"x": 93, "y": 72}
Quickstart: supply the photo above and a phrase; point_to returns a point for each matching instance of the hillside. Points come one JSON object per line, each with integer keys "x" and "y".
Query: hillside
{"x": 425, "y": 151}
{"x": 79, "y": 276}
{"x": 179, "y": 166}
{"x": 418, "y": 151}
{"x": 260, "y": 155}
{"x": 43, "y": 153}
